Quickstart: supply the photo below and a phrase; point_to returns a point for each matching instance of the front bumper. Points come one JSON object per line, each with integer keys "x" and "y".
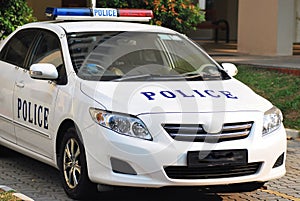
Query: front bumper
{"x": 144, "y": 162}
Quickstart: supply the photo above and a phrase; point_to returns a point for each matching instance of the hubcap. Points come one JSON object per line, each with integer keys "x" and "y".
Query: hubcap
{"x": 72, "y": 163}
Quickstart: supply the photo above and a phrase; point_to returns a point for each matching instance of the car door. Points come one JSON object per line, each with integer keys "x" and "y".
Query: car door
{"x": 34, "y": 99}
{"x": 12, "y": 58}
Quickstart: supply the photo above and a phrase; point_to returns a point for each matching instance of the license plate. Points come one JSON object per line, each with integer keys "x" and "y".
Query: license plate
{"x": 217, "y": 158}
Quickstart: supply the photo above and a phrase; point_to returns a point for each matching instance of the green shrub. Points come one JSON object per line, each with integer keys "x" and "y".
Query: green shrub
{"x": 13, "y": 13}
{"x": 179, "y": 15}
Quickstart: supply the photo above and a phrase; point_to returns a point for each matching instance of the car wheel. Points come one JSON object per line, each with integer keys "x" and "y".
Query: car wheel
{"x": 73, "y": 168}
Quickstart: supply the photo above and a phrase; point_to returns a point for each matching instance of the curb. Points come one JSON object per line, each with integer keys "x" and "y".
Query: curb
{"x": 16, "y": 194}
{"x": 292, "y": 134}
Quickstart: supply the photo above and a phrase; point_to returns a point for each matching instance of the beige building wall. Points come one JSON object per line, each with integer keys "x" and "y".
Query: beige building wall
{"x": 39, "y": 7}
{"x": 266, "y": 27}
{"x": 297, "y": 21}
{"x": 286, "y": 27}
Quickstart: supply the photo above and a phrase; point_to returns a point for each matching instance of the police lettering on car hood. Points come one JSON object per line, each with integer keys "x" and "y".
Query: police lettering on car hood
{"x": 151, "y": 97}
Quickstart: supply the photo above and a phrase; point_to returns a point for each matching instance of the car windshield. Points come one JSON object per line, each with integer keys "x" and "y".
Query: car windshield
{"x": 139, "y": 56}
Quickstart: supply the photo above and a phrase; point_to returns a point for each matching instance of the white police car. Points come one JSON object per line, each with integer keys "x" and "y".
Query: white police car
{"x": 128, "y": 104}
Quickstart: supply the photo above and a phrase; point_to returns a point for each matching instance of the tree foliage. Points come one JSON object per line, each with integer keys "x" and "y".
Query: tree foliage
{"x": 14, "y": 13}
{"x": 180, "y": 15}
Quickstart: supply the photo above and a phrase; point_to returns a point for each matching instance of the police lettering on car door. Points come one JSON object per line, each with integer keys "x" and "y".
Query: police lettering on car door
{"x": 33, "y": 113}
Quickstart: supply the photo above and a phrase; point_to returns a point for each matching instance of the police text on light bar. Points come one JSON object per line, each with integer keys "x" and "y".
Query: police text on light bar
{"x": 141, "y": 15}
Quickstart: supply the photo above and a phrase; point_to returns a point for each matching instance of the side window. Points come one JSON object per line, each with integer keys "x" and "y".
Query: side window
{"x": 48, "y": 50}
{"x": 16, "y": 49}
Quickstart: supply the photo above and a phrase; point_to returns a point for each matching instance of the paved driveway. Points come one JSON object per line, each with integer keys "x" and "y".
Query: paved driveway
{"x": 41, "y": 182}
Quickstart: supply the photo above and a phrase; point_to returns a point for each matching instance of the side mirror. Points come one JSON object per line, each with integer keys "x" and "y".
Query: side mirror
{"x": 43, "y": 71}
{"x": 230, "y": 69}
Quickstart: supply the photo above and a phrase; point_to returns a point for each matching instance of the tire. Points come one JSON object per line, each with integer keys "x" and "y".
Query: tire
{"x": 73, "y": 168}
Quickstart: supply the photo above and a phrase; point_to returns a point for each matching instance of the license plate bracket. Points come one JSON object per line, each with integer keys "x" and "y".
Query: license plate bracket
{"x": 217, "y": 158}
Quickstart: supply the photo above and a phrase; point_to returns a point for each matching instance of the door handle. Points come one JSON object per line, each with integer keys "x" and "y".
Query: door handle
{"x": 20, "y": 84}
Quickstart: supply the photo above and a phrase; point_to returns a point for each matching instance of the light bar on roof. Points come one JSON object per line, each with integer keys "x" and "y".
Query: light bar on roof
{"x": 141, "y": 15}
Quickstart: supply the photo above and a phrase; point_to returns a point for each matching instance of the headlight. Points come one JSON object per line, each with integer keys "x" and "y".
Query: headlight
{"x": 121, "y": 123}
{"x": 272, "y": 120}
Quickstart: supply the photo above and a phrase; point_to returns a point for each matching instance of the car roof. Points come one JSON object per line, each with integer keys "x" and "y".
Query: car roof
{"x": 95, "y": 26}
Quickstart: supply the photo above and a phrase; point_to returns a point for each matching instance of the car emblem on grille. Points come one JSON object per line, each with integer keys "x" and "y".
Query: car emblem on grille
{"x": 214, "y": 128}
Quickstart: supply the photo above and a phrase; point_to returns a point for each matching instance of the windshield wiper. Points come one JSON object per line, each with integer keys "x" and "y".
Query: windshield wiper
{"x": 133, "y": 77}
{"x": 149, "y": 77}
{"x": 193, "y": 76}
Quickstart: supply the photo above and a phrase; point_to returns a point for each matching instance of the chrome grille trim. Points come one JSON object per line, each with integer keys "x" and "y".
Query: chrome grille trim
{"x": 237, "y": 127}
{"x": 195, "y": 132}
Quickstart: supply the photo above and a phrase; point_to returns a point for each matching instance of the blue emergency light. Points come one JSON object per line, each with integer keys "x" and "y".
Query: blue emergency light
{"x": 99, "y": 14}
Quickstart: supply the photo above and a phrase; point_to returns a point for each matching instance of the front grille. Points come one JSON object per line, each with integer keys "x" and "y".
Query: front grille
{"x": 195, "y": 132}
{"x": 185, "y": 172}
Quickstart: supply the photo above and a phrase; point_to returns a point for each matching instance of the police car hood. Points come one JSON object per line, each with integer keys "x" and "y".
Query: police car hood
{"x": 171, "y": 97}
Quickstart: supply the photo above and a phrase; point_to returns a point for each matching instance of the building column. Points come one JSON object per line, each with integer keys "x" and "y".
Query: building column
{"x": 266, "y": 27}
